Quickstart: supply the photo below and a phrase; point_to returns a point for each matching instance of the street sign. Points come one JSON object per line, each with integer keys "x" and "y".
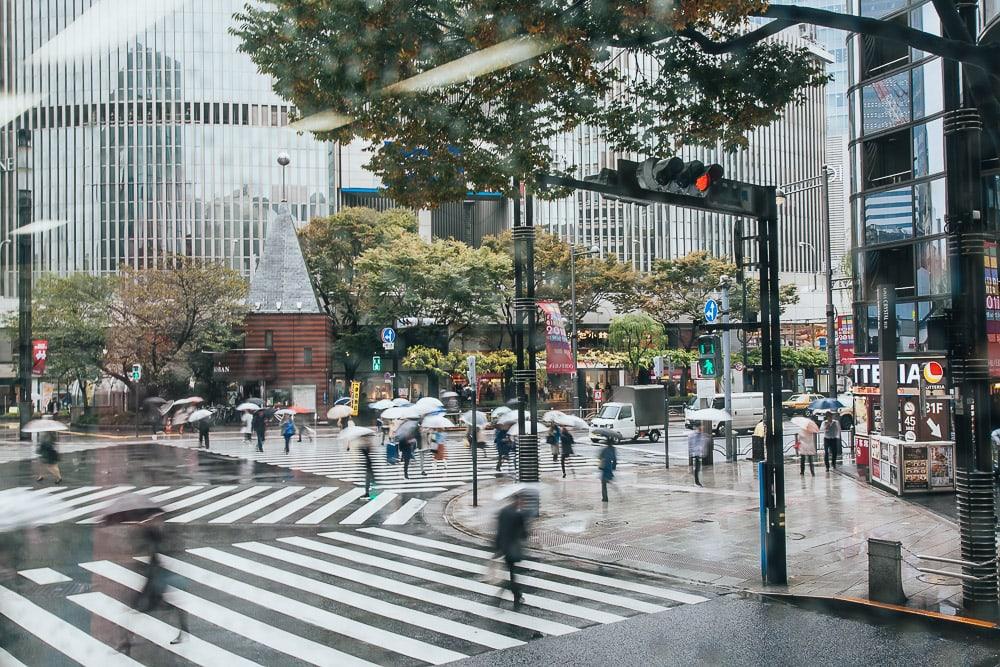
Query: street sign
{"x": 711, "y": 311}
{"x": 471, "y": 373}
{"x": 388, "y": 335}
{"x": 705, "y": 389}
{"x": 598, "y": 395}
{"x": 376, "y": 364}
{"x": 388, "y": 347}
{"x": 136, "y": 374}
{"x": 388, "y": 377}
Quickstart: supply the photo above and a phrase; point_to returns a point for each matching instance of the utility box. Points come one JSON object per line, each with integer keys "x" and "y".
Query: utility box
{"x": 885, "y": 571}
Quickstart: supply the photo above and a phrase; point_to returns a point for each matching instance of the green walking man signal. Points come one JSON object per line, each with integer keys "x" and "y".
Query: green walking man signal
{"x": 376, "y": 364}
{"x": 136, "y": 373}
{"x": 708, "y": 356}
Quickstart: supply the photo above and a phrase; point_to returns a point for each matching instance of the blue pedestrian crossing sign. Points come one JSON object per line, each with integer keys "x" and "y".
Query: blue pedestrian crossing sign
{"x": 388, "y": 335}
{"x": 711, "y": 311}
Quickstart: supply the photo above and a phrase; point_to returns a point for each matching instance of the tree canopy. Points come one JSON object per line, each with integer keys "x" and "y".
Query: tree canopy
{"x": 637, "y": 336}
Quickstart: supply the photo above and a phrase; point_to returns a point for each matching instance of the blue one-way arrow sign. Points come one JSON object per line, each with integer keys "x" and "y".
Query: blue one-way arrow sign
{"x": 711, "y": 311}
{"x": 389, "y": 335}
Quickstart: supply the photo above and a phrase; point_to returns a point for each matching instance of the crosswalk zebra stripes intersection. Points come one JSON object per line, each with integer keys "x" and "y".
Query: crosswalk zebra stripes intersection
{"x": 216, "y": 505}
{"x": 343, "y": 597}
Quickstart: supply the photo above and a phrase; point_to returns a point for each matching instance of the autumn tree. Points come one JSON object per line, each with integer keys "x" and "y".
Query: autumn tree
{"x": 637, "y": 336}
{"x": 164, "y": 316}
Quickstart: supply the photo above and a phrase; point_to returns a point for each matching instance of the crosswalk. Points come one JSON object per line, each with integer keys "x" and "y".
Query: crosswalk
{"x": 326, "y": 457}
{"x": 369, "y": 596}
{"x": 26, "y": 451}
{"x": 259, "y": 504}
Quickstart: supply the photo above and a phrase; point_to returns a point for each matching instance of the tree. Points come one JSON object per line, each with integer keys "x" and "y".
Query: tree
{"x": 71, "y": 313}
{"x": 637, "y": 336}
{"x": 331, "y": 247}
{"x": 161, "y": 316}
{"x": 445, "y": 280}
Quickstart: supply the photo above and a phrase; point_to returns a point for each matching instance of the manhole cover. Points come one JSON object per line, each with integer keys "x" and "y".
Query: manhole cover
{"x": 610, "y": 523}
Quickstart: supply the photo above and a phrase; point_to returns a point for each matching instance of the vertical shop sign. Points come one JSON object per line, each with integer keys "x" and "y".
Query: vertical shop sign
{"x": 558, "y": 353}
{"x": 992, "y": 308}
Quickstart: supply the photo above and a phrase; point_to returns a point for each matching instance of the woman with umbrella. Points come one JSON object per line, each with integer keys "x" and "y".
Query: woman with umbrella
{"x": 504, "y": 445}
{"x": 48, "y": 457}
{"x": 246, "y": 411}
{"x": 806, "y": 438}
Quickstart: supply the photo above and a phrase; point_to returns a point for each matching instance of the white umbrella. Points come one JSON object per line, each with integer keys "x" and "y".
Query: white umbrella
{"x": 198, "y": 415}
{"x": 509, "y": 417}
{"x": 449, "y": 394}
{"x": 284, "y": 412}
{"x": 400, "y": 402}
{"x": 428, "y": 404}
{"x": 709, "y": 415}
{"x": 436, "y": 421}
{"x": 44, "y": 426}
{"x": 404, "y": 412}
{"x": 570, "y": 421}
{"x": 352, "y": 433}
{"x": 540, "y": 428}
{"x": 20, "y": 508}
{"x": 806, "y": 424}
{"x": 384, "y": 404}
{"x": 499, "y": 412}
{"x": 339, "y": 412}
{"x": 247, "y": 407}
{"x": 551, "y": 416}
{"x": 480, "y": 418}
{"x": 190, "y": 399}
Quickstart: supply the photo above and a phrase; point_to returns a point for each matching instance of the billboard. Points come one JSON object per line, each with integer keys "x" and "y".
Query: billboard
{"x": 558, "y": 353}
{"x": 845, "y": 339}
{"x": 992, "y": 308}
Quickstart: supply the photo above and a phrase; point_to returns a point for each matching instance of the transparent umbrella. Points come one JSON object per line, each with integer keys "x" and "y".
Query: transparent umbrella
{"x": 339, "y": 412}
{"x": 436, "y": 421}
{"x": 481, "y": 418}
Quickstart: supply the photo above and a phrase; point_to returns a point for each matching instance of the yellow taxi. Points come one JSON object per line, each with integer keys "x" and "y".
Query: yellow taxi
{"x": 797, "y": 403}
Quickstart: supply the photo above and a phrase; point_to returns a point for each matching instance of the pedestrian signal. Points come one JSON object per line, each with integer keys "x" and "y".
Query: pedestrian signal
{"x": 708, "y": 356}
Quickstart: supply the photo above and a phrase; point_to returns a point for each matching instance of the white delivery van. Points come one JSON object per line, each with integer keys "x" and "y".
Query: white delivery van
{"x": 748, "y": 409}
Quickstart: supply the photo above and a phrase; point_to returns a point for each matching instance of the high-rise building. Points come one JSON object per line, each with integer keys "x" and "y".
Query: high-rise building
{"x": 148, "y": 144}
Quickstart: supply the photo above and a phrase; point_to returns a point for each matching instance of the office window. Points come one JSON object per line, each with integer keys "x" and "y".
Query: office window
{"x": 929, "y": 205}
{"x": 928, "y": 148}
{"x": 887, "y": 159}
{"x": 888, "y": 216}
{"x": 886, "y": 103}
{"x": 268, "y": 340}
{"x": 890, "y": 266}
{"x": 307, "y": 356}
{"x": 881, "y": 55}
{"x": 932, "y": 268}
{"x": 928, "y": 90}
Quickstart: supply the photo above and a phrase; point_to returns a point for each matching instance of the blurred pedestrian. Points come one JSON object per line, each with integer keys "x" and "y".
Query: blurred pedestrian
{"x": 757, "y": 441}
{"x": 512, "y": 531}
{"x": 48, "y": 456}
{"x": 831, "y": 440}
{"x": 501, "y": 439}
{"x": 246, "y": 417}
{"x": 406, "y": 452}
{"x": 566, "y": 448}
{"x": 365, "y": 445}
{"x": 152, "y": 596}
{"x": 608, "y": 463}
{"x": 259, "y": 426}
{"x": 204, "y": 426}
{"x": 155, "y": 421}
{"x": 807, "y": 450}
{"x": 288, "y": 430}
{"x": 698, "y": 444}
{"x": 440, "y": 451}
{"x": 553, "y": 440}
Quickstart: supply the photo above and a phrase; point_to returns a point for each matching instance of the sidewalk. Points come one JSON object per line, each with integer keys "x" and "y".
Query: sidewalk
{"x": 658, "y": 521}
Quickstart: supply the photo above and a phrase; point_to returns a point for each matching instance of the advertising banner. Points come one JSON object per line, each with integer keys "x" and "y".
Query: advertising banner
{"x": 355, "y": 397}
{"x": 845, "y": 339}
{"x": 992, "y": 308}
{"x": 39, "y": 353}
{"x": 558, "y": 353}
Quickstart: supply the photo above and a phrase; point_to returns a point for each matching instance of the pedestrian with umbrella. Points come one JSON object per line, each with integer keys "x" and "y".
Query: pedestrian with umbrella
{"x": 512, "y": 531}
{"x": 48, "y": 455}
{"x": 407, "y": 435}
{"x": 566, "y": 448}
{"x": 698, "y": 444}
{"x": 552, "y": 439}
{"x": 365, "y": 439}
{"x": 608, "y": 463}
{"x": 502, "y": 441}
{"x": 203, "y": 421}
{"x": 246, "y": 411}
{"x": 153, "y": 404}
{"x": 831, "y": 440}
{"x": 806, "y": 438}
{"x": 288, "y": 430}
{"x": 259, "y": 426}
{"x": 155, "y": 590}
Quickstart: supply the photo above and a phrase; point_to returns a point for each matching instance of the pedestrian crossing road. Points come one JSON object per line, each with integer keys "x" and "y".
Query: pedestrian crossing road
{"x": 327, "y": 458}
{"x": 27, "y": 451}
{"x": 219, "y": 504}
{"x": 369, "y": 596}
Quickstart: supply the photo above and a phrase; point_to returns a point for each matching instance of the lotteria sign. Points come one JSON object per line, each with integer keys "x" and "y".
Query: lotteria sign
{"x": 929, "y": 373}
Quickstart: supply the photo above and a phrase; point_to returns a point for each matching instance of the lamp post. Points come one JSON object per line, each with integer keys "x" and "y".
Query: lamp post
{"x": 575, "y": 252}
{"x": 284, "y": 160}
{"x": 806, "y": 244}
{"x": 24, "y": 251}
{"x": 821, "y": 182}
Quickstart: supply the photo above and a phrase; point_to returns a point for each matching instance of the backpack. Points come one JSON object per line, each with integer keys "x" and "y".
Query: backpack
{"x": 288, "y": 428}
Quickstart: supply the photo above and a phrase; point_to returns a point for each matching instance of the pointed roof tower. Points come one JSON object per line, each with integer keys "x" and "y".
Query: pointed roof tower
{"x": 282, "y": 279}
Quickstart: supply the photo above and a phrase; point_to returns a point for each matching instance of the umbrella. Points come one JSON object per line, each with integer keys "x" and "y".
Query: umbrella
{"x": 130, "y": 508}
{"x": 182, "y": 415}
{"x": 285, "y": 412}
{"x": 384, "y": 404}
{"x": 404, "y": 412}
{"x": 343, "y": 400}
{"x": 480, "y": 418}
{"x": 436, "y": 421}
{"x": 806, "y": 424}
{"x": 247, "y": 407}
{"x": 154, "y": 400}
{"x": 607, "y": 434}
{"x": 400, "y": 402}
{"x": 449, "y": 394}
{"x": 499, "y": 412}
{"x": 539, "y": 427}
{"x": 300, "y": 410}
{"x": 407, "y": 430}
{"x": 198, "y": 415}
{"x": 509, "y": 417}
{"x": 165, "y": 408}
{"x": 256, "y": 401}
{"x": 339, "y": 412}
{"x": 709, "y": 415}
{"x": 189, "y": 400}
{"x": 20, "y": 508}
{"x": 428, "y": 404}
{"x": 44, "y": 425}
{"x": 550, "y": 416}
{"x": 570, "y": 421}
{"x": 352, "y": 433}
{"x": 826, "y": 404}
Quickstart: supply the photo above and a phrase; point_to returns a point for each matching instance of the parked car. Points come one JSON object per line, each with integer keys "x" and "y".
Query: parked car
{"x": 747, "y": 410}
{"x": 799, "y": 403}
{"x": 637, "y": 412}
{"x": 845, "y": 414}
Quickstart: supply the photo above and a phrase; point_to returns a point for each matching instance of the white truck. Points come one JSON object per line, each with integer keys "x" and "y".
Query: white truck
{"x": 637, "y": 412}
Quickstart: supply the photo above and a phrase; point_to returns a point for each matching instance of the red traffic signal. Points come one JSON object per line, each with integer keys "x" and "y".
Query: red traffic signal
{"x": 711, "y": 176}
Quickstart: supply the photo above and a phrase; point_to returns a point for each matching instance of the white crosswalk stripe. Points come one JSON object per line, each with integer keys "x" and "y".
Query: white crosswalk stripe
{"x": 324, "y": 600}
{"x": 222, "y": 505}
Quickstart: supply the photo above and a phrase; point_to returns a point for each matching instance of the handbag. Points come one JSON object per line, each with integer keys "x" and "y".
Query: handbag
{"x": 439, "y": 453}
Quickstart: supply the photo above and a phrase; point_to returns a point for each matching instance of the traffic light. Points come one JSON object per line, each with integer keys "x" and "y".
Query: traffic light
{"x": 376, "y": 364}
{"x": 693, "y": 178}
{"x": 708, "y": 356}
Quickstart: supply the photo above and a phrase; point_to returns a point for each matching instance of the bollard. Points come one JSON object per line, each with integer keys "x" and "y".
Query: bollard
{"x": 885, "y": 571}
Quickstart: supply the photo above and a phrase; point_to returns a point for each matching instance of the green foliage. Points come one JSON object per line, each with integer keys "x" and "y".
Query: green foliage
{"x": 484, "y": 134}
{"x": 793, "y": 357}
{"x": 432, "y": 360}
{"x": 636, "y": 336}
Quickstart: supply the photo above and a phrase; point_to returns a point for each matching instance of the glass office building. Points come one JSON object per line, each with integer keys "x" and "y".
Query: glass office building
{"x": 897, "y": 156}
{"x": 163, "y": 142}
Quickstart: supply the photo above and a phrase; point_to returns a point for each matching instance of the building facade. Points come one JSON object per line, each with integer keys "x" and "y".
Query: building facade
{"x": 161, "y": 142}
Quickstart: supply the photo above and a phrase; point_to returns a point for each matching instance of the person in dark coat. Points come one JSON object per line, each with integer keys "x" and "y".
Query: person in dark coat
{"x": 204, "y": 426}
{"x": 698, "y": 444}
{"x": 501, "y": 438}
{"x": 512, "y": 531}
{"x": 552, "y": 439}
{"x": 608, "y": 463}
{"x": 406, "y": 453}
{"x": 566, "y": 448}
{"x": 48, "y": 456}
{"x": 365, "y": 446}
{"x": 259, "y": 426}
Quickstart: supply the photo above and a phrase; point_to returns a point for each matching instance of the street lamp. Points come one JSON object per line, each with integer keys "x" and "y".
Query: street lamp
{"x": 284, "y": 160}
{"x": 575, "y": 252}
{"x": 806, "y": 244}
{"x": 823, "y": 183}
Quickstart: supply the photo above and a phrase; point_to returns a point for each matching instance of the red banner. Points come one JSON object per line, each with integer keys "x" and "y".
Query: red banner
{"x": 992, "y": 308}
{"x": 558, "y": 353}
{"x": 845, "y": 340}
{"x": 39, "y": 352}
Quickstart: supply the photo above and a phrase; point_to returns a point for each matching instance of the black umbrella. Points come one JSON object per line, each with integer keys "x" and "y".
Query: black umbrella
{"x": 255, "y": 401}
{"x": 130, "y": 508}
{"x": 607, "y": 434}
{"x": 408, "y": 430}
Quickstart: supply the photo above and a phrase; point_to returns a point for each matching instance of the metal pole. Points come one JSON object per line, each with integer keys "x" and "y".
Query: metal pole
{"x": 572, "y": 307}
{"x": 666, "y": 429}
{"x": 24, "y": 252}
{"x": 528, "y": 453}
{"x": 519, "y": 376}
{"x": 831, "y": 348}
{"x": 475, "y": 445}
{"x": 727, "y": 373}
{"x": 137, "y": 411}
